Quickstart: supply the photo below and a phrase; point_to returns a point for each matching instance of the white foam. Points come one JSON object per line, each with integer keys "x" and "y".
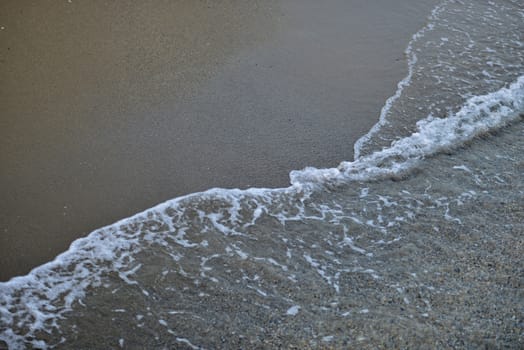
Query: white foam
{"x": 462, "y": 167}
{"x": 412, "y": 60}
{"x": 26, "y": 299}
{"x": 292, "y": 311}
{"x": 479, "y": 115}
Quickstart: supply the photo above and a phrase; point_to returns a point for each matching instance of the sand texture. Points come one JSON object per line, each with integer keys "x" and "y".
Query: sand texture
{"x": 108, "y": 108}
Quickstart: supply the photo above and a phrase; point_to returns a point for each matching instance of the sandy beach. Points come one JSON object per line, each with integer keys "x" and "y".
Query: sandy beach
{"x": 108, "y": 108}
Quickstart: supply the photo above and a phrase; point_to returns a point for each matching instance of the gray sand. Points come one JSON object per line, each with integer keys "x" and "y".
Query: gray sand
{"x": 109, "y": 108}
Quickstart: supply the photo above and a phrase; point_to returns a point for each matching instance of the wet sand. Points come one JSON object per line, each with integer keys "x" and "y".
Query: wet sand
{"x": 108, "y": 108}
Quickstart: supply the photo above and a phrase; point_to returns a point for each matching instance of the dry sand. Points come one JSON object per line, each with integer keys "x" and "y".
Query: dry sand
{"x": 108, "y": 108}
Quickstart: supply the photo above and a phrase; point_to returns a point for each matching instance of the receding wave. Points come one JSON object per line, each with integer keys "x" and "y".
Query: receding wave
{"x": 478, "y": 116}
{"x": 452, "y": 59}
{"x": 36, "y": 302}
{"x": 341, "y": 257}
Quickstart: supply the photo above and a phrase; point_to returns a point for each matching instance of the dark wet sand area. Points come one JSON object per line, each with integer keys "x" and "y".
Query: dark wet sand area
{"x": 108, "y": 108}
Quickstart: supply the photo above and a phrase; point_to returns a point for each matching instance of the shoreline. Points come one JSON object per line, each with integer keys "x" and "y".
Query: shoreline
{"x": 253, "y": 110}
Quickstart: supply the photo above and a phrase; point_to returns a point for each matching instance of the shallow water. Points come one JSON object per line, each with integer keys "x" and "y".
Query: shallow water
{"x": 417, "y": 244}
{"x": 468, "y": 48}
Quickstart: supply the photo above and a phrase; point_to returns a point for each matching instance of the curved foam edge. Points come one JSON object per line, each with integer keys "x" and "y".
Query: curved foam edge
{"x": 68, "y": 276}
{"x": 478, "y": 115}
{"x": 412, "y": 61}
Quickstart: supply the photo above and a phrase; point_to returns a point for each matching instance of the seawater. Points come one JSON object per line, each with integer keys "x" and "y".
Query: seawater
{"x": 416, "y": 242}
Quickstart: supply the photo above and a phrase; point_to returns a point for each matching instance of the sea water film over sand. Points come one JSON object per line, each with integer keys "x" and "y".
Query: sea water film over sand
{"x": 417, "y": 243}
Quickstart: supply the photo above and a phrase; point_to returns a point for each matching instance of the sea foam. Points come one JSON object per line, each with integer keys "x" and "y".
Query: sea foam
{"x": 34, "y": 304}
{"x": 48, "y": 292}
{"x": 479, "y": 115}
